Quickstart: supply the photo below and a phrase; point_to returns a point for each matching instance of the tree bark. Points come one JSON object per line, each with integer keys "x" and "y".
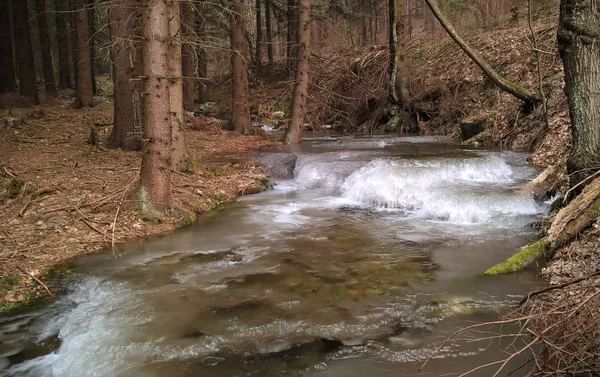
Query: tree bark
{"x": 7, "y": 64}
{"x": 92, "y": 42}
{"x": 42, "y": 23}
{"x": 27, "y": 77}
{"x": 398, "y": 86}
{"x": 201, "y": 53}
{"x": 259, "y": 34}
{"x": 504, "y": 84}
{"x": 128, "y": 67}
{"x": 187, "y": 58}
{"x": 269, "y": 34}
{"x": 579, "y": 47}
{"x": 155, "y": 174}
{"x": 179, "y": 150}
{"x": 62, "y": 37}
{"x": 85, "y": 88}
{"x": 240, "y": 114}
{"x": 298, "y": 109}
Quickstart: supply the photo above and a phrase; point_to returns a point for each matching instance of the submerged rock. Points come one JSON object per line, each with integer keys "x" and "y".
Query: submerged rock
{"x": 278, "y": 165}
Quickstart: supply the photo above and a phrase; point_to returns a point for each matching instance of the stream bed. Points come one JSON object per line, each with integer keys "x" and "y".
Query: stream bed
{"x": 360, "y": 264}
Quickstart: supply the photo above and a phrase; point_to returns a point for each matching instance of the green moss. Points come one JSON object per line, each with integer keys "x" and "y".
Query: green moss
{"x": 192, "y": 161}
{"x": 219, "y": 198}
{"x": 185, "y": 221}
{"x": 150, "y": 218}
{"x": 520, "y": 260}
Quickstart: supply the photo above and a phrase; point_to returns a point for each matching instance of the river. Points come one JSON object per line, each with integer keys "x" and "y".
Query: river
{"x": 359, "y": 265}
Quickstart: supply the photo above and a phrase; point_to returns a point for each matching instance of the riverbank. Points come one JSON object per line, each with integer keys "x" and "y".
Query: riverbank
{"x": 62, "y": 197}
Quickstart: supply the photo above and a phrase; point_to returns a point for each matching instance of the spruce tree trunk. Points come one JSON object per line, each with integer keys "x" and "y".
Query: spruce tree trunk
{"x": 92, "y": 42}
{"x": 128, "y": 67}
{"x": 155, "y": 174}
{"x": 42, "y": 22}
{"x": 269, "y": 34}
{"x": 398, "y": 86}
{"x": 62, "y": 37}
{"x": 27, "y": 77}
{"x": 504, "y": 84}
{"x": 187, "y": 59}
{"x": 73, "y": 34}
{"x": 7, "y": 64}
{"x": 179, "y": 150}
{"x": 201, "y": 53}
{"x": 259, "y": 34}
{"x": 579, "y": 46}
{"x": 298, "y": 110}
{"x": 85, "y": 88}
{"x": 240, "y": 114}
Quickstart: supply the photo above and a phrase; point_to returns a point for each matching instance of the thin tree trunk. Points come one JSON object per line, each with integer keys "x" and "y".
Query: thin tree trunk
{"x": 179, "y": 156}
{"x": 201, "y": 53}
{"x": 85, "y": 88}
{"x": 269, "y": 34}
{"x": 504, "y": 84}
{"x": 579, "y": 46}
{"x": 128, "y": 67}
{"x": 298, "y": 110}
{"x": 7, "y": 64}
{"x": 62, "y": 37}
{"x": 240, "y": 114}
{"x": 187, "y": 58}
{"x": 155, "y": 174}
{"x": 42, "y": 22}
{"x": 259, "y": 33}
{"x": 398, "y": 86}
{"x": 92, "y": 42}
{"x": 73, "y": 40}
{"x": 27, "y": 77}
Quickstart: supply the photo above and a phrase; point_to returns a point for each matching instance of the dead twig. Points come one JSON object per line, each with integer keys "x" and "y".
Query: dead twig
{"x": 37, "y": 280}
{"x": 554, "y": 287}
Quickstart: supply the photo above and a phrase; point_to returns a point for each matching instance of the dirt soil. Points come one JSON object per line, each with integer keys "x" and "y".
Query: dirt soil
{"x": 61, "y": 197}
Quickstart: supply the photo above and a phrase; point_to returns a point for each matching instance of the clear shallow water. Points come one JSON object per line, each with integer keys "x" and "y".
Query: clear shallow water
{"x": 360, "y": 265}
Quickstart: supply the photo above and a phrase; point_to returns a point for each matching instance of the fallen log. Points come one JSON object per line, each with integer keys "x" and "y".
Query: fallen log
{"x": 520, "y": 260}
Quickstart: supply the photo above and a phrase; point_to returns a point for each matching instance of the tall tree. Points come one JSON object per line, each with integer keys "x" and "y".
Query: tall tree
{"x": 85, "y": 88}
{"x": 7, "y": 64}
{"x": 298, "y": 109}
{"x": 501, "y": 82}
{"x": 259, "y": 33}
{"x": 27, "y": 77}
{"x": 269, "y": 34}
{"x": 128, "y": 67}
{"x": 62, "y": 37}
{"x": 179, "y": 150}
{"x": 92, "y": 42}
{"x": 155, "y": 174}
{"x": 240, "y": 114}
{"x": 579, "y": 46}
{"x": 201, "y": 53}
{"x": 187, "y": 59}
{"x": 42, "y": 23}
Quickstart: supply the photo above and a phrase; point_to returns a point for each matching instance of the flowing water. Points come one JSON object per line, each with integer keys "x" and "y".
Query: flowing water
{"x": 361, "y": 264}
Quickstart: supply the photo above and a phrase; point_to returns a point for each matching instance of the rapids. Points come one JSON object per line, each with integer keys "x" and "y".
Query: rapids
{"x": 361, "y": 264}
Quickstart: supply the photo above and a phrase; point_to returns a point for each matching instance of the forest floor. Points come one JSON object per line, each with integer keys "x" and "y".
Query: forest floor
{"x": 61, "y": 197}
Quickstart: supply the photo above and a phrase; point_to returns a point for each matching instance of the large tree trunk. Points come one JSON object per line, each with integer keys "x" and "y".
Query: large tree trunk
{"x": 85, "y": 88}
{"x": 259, "y": 33}
{"x": 269, "y": 34}
{"x": 579, "y": 46}
{"x": 398, "y": 86}
{"x": 187, "y": 59}
{"x": 7, "y": 64}
{"x": 504, "y": 84}
{"x": 201, "y": 53}
{"x": 62, "y": 37}
{"x": 128, "y": 67}
{"x": 292, "y": 36}
{"x": 179, "y": 150}
{"x": 155, "y": 174}
{"x": 27, "y": 77}
{"x": 42, "y": 23}
{"x": 298, "y": 110}
{"x": 240, "y": 114}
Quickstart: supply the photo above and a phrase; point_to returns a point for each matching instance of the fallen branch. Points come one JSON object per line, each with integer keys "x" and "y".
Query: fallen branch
{"x": 37, "y": 280}
{"x": 559, "y": 286}
{"x": 520, "y": 260}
